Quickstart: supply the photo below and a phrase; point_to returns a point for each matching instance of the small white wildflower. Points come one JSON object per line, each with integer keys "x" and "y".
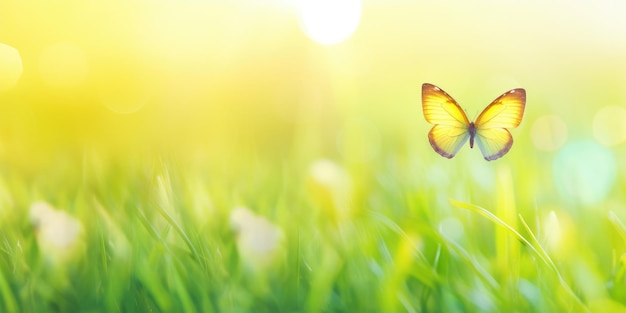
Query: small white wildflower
{"x": 331, "y": 186}
{"x": 259, "y": 242}
{"x": 59, "y": 235}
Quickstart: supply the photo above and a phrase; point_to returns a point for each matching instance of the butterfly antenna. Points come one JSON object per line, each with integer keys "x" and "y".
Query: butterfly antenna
{"x": 475, "y": 115}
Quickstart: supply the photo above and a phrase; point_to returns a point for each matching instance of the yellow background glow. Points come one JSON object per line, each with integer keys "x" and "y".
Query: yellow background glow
{"x": 198, "y": 76}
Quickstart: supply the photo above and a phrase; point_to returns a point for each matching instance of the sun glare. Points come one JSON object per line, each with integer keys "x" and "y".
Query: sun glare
{"x": 329, "y": 22}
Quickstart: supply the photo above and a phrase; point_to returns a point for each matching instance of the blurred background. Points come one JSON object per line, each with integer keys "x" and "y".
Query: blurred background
{"x": 301, "y": 120}
{"x": 301, "y": 79}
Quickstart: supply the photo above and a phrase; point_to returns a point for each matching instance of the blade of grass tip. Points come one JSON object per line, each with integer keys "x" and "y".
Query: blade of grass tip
{"x": 542, "y": 255}
{"x": 115, "y": 235}
{"x": 551, "y": 264}
{"x": 144, "y": 220}
{"x": 490, "y": 216}
{"x": 424, "y": 270}
{"x": 437, "y": 256}
{"x": 477, "y": 267}
{"x": 495, "y": 220}
{"x": 204, "y": 257}
{"x": 179, "y": 229}
{"x": 619, "y": 226}
{"x": 397, "y": 229}
{"x": 165, "y": 202}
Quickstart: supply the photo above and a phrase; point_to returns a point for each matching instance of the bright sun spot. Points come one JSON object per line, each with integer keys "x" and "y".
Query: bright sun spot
{"x": 329, "y": 22}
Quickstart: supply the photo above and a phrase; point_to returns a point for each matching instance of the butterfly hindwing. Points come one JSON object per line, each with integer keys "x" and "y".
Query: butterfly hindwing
{"x": 494, "y": 142}
{"x": 451, "y": 124}
{"x": 447, "y": 140}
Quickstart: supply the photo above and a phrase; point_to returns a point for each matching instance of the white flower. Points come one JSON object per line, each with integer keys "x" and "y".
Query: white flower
{"x": 259, "y": 242}
{"x": 331, "y": 187}
{"x": 59, "y": 235}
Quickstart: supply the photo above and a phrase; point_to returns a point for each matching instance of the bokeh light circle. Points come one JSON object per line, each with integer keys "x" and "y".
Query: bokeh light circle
{"x": 452, "y": 229}
{"x": 10, "y": 67}
{"x": 609, "y": 125}
{"x": 549, "y": 133}
{"x": 329, "y": 22}
{"x": 63, "y": 65}
{"x": 584, "y": 172}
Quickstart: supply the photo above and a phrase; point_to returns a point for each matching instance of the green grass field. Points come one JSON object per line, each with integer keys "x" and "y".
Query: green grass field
{"x": 158, "y": 237}
{"x": 214, "y": 157}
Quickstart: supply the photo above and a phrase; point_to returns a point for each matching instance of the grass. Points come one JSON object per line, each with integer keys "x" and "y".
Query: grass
{"x": 158, "y": 237}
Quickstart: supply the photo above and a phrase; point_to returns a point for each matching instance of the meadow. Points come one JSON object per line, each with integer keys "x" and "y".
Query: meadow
{"x": 210, "y": 157}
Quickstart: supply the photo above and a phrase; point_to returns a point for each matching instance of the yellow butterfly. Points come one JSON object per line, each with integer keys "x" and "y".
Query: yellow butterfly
{"x": 452, "y": 128}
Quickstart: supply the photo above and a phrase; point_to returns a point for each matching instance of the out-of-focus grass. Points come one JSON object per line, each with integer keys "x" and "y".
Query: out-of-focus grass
{"x": 158, "y": 237}
{"x": 218, "y": 160}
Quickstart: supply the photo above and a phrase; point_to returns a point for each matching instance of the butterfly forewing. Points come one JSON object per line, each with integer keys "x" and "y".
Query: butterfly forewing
{"x": 505, "y": 111}
{"x": 451, "y": 124}
{"x": 440, "y": 108}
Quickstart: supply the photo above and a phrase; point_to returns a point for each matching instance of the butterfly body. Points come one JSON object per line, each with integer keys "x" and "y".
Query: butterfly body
{"x": 452, "y": 127}
{"x": 471, "y": 129}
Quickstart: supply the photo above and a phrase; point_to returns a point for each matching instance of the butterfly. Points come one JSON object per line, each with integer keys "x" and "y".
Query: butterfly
{"x": 452, "y": 127}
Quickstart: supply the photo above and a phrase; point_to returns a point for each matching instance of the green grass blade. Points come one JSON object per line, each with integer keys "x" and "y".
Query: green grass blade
{"x": 490, "y": 216}
{"x": 546, "y": 258}
{"x": 482, "y": 273}
{"x": 618, "y": 225}
{"x": 6, "y": 295}
{"x": 534, "y": 246}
